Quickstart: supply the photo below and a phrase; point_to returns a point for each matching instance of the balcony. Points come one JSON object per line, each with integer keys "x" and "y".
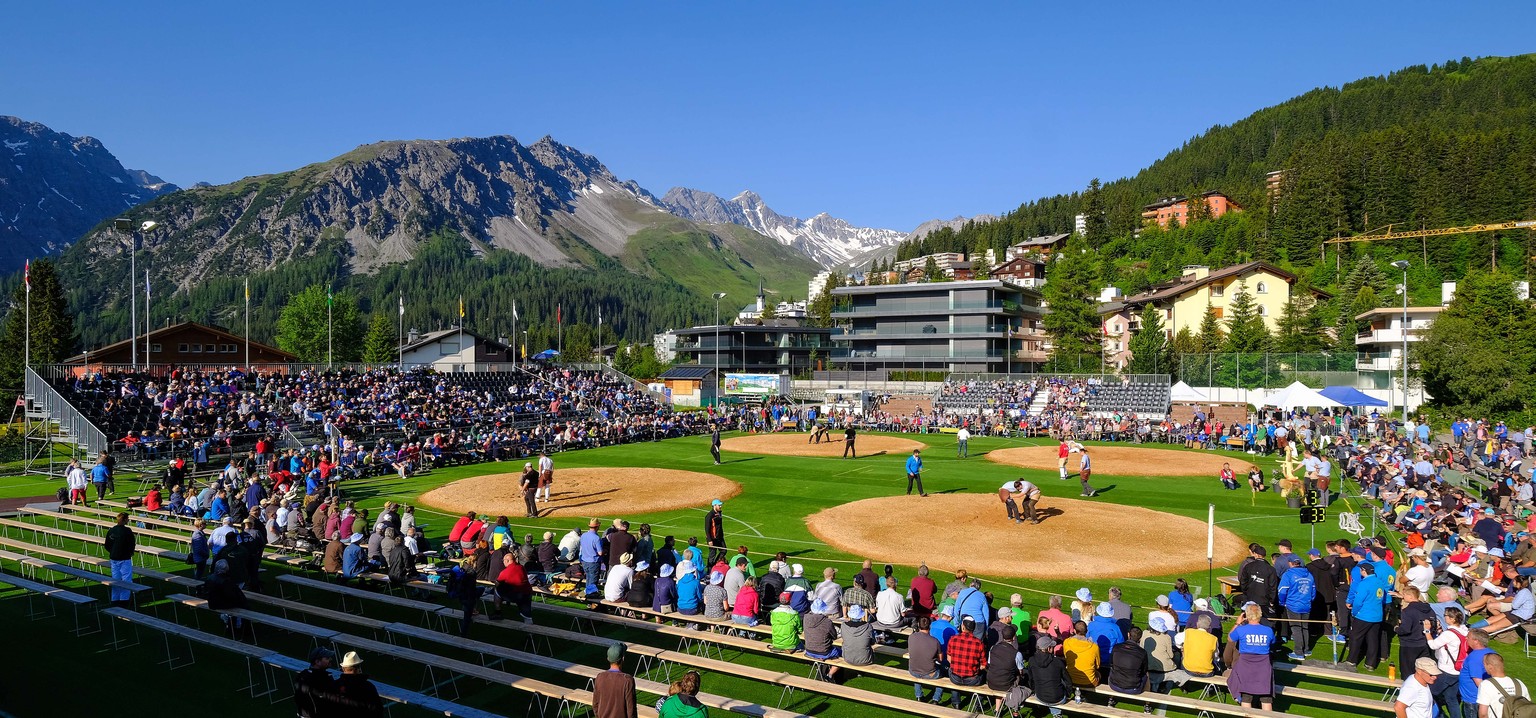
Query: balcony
{"x": 1389, "y": 336}
{"x": 1377, "y": 361}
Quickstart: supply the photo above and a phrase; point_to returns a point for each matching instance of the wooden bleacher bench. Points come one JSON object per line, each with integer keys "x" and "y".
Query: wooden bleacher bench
{"x": 52, "y": 593}
{"x": 82, "y": 574}
{"x": 445, "y": 614}
{"x": 475, "y": 670}
{"x": 317, "y": 633}
{"x": 178, "y": 538}
{"x": 589, "y": 672}
{"x": 276, "y": 554}
{"x": 99, "y": 562}
{"x": 146, "y": 549}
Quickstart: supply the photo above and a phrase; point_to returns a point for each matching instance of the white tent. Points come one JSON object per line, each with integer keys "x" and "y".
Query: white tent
{"x": 1183, "y": 392}
{"x": 1295, "y": 396}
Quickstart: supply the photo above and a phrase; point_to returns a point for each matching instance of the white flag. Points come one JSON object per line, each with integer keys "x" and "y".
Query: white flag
{"x": 514, "y": 310}
{"x": 402, "y": 305}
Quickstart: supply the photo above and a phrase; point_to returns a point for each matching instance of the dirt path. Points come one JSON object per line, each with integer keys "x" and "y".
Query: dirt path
{"x": 1077, "y": 539}
{"x": 1126, "y": 461}
{"x": 608, "y": 492}
{"x": 795, "y": 445}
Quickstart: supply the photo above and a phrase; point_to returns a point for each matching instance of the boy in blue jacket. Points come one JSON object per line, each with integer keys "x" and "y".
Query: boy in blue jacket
{"x": 1297, "y": 589}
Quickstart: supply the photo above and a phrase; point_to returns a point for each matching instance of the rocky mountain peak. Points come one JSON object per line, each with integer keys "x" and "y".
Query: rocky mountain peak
{"x": 54, "y": 187}
{"x": 824, "y": 238}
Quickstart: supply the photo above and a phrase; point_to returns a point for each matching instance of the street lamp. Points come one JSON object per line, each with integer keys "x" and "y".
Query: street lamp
{"x": 1402, "y": 264}
{"x": 718, "y": 296}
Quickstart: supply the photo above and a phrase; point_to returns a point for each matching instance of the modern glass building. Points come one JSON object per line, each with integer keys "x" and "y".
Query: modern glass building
{"x": 987, "y": 326}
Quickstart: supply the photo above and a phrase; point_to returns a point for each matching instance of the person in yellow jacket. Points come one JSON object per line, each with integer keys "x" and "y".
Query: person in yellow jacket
{"x": 1200, "y": 648}
{"x": 1082, "y": 657}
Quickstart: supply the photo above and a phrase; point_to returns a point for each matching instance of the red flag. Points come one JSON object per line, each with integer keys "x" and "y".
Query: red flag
{"x": 558, "y": 320}
{"x": 26, "y": 275}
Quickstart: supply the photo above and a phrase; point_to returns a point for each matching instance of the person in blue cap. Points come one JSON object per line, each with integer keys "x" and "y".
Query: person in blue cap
{"x": 714, "y": 532}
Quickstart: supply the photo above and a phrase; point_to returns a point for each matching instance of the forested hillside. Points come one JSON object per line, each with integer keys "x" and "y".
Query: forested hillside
{"x": 1448, "y": 145}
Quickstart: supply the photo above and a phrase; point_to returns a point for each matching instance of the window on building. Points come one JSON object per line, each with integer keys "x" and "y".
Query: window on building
{"x": 155, "y": 348}
{"x": 1219, "y": 311}
{"x": 182, "y": 348}
{"x": 1262, "y": 288}
{"x": 197, "y": 349}
{"x": 1263, "y": 311}
{"x": 1218, "y": 290}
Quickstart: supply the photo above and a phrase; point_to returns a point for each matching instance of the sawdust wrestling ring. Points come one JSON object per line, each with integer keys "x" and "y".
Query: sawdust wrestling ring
{"x": 1077, "y": 538}
{"x": 1125, "y": 461}
{"x": 624, "y": 491}
{"x": 795, "y": 445}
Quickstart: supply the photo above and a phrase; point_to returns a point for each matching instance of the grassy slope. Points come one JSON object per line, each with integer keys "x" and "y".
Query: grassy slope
{"x": 779, "y": 492}
{"x": 725, "y": 258}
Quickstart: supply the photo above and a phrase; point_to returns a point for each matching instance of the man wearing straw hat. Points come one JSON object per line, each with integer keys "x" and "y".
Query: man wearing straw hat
{"x": 354, "y": 690}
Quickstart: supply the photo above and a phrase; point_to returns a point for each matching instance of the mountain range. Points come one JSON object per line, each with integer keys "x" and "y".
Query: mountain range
{"x": 54, "y": 187}
{"x": 828, "y": 240}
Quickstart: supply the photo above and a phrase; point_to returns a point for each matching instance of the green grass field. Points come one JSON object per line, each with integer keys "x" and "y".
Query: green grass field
{"x": 778, "y": 492}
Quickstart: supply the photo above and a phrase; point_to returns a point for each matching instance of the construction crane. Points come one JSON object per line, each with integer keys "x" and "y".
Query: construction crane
{"x": 1386, "y": 233}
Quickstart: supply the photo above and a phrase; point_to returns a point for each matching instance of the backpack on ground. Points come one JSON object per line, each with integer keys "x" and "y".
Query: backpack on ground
{"x": 1518, "y": 705}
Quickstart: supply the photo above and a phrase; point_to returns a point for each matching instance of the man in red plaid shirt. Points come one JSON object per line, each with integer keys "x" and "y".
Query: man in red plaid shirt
{"x": 967, "y": 658}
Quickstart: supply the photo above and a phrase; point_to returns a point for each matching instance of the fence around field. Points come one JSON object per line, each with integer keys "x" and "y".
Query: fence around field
{"x": 1268, "y": 370}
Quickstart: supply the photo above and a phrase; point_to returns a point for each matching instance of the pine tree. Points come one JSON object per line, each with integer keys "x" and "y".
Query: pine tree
{"x": 1095, "y": 227}
{"x": 1185, "y": 344}
{"x": 980, "y": 267}
{"x": 1300, "y": 328}
{"x": 379, "y": 343}
{"x": 1478, "y": 358}
{"x": 931, "y": 271}
{"x": 1211, "y": 338}
{"x": 820, "y": 310}
{"x": 1196, "y": 209}
{"x": 53, "y": 328}
{"x": 1150, "y": 349}
{"x": 1246, "y": 331}
{"x": 301, "y": 328}
{"x": 1073, "y": 322}
{"x": 770, "y": 309}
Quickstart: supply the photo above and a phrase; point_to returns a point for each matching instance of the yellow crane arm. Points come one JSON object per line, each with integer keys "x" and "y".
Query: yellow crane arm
{"x": 1387, "y": 233}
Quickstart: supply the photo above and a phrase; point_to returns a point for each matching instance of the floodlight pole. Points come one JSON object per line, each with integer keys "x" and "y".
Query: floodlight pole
{"x": 1403, "y": 265}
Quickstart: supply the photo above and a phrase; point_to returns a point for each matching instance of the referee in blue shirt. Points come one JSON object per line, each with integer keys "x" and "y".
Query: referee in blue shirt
{"x": 915, "y": 472}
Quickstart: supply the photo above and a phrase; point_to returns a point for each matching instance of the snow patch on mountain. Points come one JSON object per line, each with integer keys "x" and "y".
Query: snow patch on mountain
{"x": 824, "y": 238}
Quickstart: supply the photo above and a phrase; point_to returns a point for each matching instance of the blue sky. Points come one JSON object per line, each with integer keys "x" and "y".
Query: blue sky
{"x": 885, "y": 113}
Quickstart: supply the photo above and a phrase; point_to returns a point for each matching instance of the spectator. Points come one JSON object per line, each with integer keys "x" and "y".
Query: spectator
{"x": 1367, "y": 601}
{"x": 685, "y": 702}
{"x": 664, "y": 595}
{"x": 512, "y": 587}
{"x": 314, "y": 690}
{"x": 1448, "y": 646}
{"x": 1005, "y": 664}
{"x": 1495, "y": 691}
{"x": 120, "y": 544}
{"x": 715, "y": 604}
{"x": 1252, "y": 676}
{"x": 744, "y": 611}
{"x": 1129, "y": 665}
{"x": 1048, "y": 676}
{"x": 613, "y": 691}
{"x": 820, "y": 632}
{"x": 925, "y": 658}
{"x": 355, "y": 694}
{"x": 1416, "y": 621}
{"x": 1082, "y": 656}
{"x": 1414, "y": 699}
{"x": 967, "y": 658}
{"x": 690, "y": 594}
{"x": 1200, "y": 646}
{"x": 787, "y": 624}
{"x": 858, "y": 638}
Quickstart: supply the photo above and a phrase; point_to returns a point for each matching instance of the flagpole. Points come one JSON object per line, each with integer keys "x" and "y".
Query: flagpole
{"x": 514, "y": 334}
{"x": 560, "y": 328}
{"x": 329, "y": 337}
{"x": 400, "y": 336}
{"x": 461, "y": 331}
{"x": 26, "y": 360}
{"x": 247, "y": 326}
{"x": 147, "y": 322}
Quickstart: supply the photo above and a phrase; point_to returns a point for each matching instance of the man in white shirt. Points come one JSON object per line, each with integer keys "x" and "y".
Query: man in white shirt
{"x": 546, "y": 476}
{"x": 220, "y": 536}
{"x": 77, "y": 482}
{"x": 890, "y": 610}
{"x": 1497, "y": 688}
{"x": 1414, "y": 699}
{"x": 963, "y": 443}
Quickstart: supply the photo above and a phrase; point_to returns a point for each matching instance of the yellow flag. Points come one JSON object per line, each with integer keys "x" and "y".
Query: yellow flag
{"x": 461, "y": 306}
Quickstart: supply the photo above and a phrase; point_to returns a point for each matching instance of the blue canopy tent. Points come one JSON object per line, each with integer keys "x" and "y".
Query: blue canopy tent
{"x": 546, "y": 355}
{"x": 1350, "y": 396}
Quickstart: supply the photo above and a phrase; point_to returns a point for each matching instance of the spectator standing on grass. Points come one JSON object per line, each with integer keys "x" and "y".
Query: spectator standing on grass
{"x": 1252, "y": 675}
{"x": 1367, "y": 603}
{"x": 1497, "y": 689}
{"x": 1414, "y": 697}
{"x": 1297, "y": 591}
{"x": 613, "y": 690}
{"x": 76, "y": 479}
{"x": 1474, "y": 670}
{"x": 199, "y": 550}
{"x": 1415, "y": 622}
{"x": 714, "y": 532}
{"x": 1448, "y": 646}
{"x": 99, "y": 475}
{"x": 963, "y": 443}
{"x": 120, "y": 543}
